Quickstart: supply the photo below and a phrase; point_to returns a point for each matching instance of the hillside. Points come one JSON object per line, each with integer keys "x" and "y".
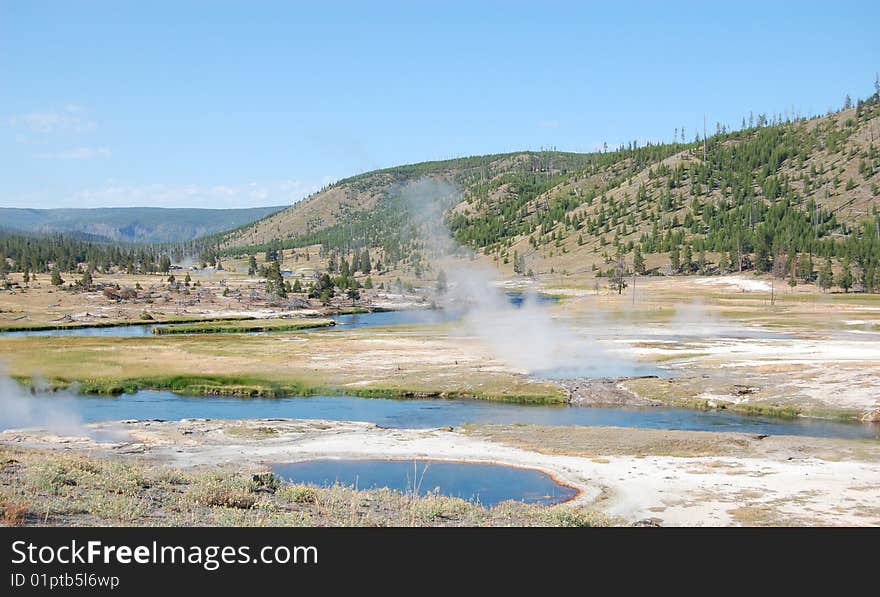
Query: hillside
{"x": 778, "y": 195}
{"x": 130, "y": 224}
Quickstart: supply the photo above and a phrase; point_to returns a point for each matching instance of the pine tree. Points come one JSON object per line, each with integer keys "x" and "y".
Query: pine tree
{"x": 724, "y": 263}
{"x": 275, "y": 281}
{"x": 805, "y": 269}
{"x": 826, "y": 276}
{"x": 252, "y": 266}
{"x": 675, "y": 260}
{"x": 56, "y": 277}
{"x": 845, "y": 277}
{"x": 687, "y": 263}
{"x": 638, "y": 261}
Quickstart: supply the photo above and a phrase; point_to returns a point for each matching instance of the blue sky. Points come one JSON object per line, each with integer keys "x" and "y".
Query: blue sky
{"x": 233, "y": 104}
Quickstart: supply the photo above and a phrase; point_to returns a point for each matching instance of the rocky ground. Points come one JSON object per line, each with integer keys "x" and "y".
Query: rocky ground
{"x": 587, "y": 391}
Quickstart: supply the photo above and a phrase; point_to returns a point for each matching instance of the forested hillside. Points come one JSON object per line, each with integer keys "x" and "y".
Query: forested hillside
{"x": 792, "y": 196}
{"x": 41, "y": 253}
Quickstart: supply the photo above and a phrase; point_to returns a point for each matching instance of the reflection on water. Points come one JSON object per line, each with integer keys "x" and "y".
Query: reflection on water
{"x": 384, "y": 318}
{"x": 117, "y": 331}
{"x": 486, "y": 483}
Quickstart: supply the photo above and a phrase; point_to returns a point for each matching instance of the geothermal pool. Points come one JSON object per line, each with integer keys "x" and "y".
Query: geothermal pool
{"x": 421, "y": 414}
{"x": 487, "y": 484}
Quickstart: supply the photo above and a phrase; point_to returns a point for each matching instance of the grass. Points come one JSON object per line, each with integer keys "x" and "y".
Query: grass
{"x": 189, "y": 385}
{"x": 241, "y": 327}
{"x": 256, "y": 387}
{"x": 65, "y": 489}
{"x": 368, "y": 364}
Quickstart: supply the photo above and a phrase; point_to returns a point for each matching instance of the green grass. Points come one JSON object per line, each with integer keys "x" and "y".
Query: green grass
{"x": 356, "y": 310}
{"x": 256, "y": 387}
{"x": 241, "y": 327}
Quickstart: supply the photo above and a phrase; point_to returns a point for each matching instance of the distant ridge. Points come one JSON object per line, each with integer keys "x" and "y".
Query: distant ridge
{"x": 131, "y": 224}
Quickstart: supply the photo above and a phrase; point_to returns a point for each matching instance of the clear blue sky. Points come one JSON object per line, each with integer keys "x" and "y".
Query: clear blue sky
{"x": 232, "y": 104}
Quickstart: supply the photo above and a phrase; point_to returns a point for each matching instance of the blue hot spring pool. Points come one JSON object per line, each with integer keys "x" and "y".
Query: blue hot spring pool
{"x": 487, "y": 484}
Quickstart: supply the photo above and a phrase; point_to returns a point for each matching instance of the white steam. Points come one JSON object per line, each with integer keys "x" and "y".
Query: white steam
{"x": 524, "y": 337}
{"x": 20, "y": 408}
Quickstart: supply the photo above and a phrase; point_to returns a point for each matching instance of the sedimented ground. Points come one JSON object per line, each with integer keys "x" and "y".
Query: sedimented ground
{"x": 722, "y": 342}
{"x": 625, "y": 476}
{"x": 719, "y": 342}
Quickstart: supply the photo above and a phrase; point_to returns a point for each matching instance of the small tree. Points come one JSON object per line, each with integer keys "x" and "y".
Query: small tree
{"x": 519, "y": 263}
{"x": 56, "y": 277}
{"x": 724, "y": 263}
{"x": 845, "y": 277}
{"x": 826, "y": 276}
{"x": 275, "y": 281}
{"x": 805, "y": 269}
{"x": 687, "y": 264}
{"x": 87, "y": 281}
{"x": 252, "y": 266}
{"x": 675, "y": 260}
{"x": 638, "y": 261}
{"x": 618, "y": 276}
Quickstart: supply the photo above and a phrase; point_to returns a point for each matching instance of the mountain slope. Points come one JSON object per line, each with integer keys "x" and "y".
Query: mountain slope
{"x": 131, "y": 224}
{"x": 769, "y": 197}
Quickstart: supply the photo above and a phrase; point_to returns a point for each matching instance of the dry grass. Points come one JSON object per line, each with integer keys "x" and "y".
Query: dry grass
{"x": 48, "y": 488}
{"x": 13, "y": 514}
{"x": 364, "y": 362}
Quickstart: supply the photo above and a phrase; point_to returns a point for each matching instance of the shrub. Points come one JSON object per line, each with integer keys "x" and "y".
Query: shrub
{"x": 299, "y": 494}
{"x": 13, "y": 514}
{"x": 225, "y": 491}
